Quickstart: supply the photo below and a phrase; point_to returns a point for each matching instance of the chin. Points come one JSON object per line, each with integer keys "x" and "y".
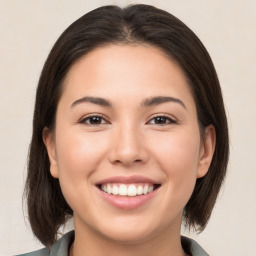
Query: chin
{"x": 131, "y": 230}
{"x": 128, "y": 236}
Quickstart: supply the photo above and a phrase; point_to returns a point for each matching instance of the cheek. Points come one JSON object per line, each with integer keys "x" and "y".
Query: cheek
{"x": 178, "y": 157}
{"x": 179, "y": 151}
{"x": 77, "y": 152}
{"x": 78, "y": 156}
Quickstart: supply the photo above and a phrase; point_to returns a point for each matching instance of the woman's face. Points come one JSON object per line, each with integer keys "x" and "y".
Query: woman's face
{"x": 126, "y": 124}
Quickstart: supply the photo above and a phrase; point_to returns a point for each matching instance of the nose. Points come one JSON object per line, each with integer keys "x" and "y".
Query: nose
{"x": 128, "y": 147}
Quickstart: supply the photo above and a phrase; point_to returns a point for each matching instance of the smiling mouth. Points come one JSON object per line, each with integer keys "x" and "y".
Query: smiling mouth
{"x": 128, "y": 190}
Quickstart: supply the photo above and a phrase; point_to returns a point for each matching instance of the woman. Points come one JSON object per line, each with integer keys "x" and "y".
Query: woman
{"x": 130, "y": 137}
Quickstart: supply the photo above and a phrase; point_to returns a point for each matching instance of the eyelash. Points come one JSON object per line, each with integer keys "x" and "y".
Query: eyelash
{"x": 88, "y": 118}
{"x": 168, "y": 120}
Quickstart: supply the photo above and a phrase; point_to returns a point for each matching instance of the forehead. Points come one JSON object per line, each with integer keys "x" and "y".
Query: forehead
{"x": 123, "y": 70}
{"x": 122, "y": 58}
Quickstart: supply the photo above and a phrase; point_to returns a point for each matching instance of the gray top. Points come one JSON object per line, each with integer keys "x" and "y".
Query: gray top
{"x": 61, "y": 247}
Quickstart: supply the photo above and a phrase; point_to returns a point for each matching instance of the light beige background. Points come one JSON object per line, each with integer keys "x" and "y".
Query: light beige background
{"x": 28, "y": 30}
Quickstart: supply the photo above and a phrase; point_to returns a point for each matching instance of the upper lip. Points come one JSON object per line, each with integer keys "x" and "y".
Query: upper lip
{"x": 127, "y": 180}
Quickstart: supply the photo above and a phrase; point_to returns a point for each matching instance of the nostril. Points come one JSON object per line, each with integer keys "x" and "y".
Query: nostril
{"x": 127, "y": 161}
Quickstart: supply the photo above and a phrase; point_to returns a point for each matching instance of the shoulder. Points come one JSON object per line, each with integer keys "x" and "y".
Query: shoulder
{"x": 60, "y": 248}
{"x": 192, "y": 247}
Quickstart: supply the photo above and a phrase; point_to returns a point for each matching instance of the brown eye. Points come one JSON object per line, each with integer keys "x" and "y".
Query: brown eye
{"x": 162, "y": 120}
{"x": 94, "y": 120}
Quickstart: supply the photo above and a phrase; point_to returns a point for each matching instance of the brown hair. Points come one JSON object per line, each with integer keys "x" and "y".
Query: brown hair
{"x": 146, "y": 24}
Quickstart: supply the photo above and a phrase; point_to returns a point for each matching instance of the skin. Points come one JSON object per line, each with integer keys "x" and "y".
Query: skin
{"x": 127, "y": 141}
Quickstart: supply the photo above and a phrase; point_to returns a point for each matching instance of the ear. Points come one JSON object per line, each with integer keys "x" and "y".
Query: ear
{"x": 49, "y": 143}
{"x": 206, "y": 151}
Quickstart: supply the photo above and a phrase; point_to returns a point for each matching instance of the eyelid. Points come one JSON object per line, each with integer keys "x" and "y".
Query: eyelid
{"x": 83, "y": 119}
{"x": 171, "y": 118}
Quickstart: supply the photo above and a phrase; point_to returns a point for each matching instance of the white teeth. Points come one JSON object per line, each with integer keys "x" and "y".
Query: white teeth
{"x": 131, "y": 190}
{"x": 145, "y": 190}
{"x": 115, "y": 190}
{"x": 104, "y": 188}
{"x": 122, "y": 190}
{"x": 127, "y": 190}
{"x": 140, "y": 190}
{"x": 109, "y": 189}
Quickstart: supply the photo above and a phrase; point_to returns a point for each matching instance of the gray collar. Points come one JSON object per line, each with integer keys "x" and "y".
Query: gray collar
{"x": 192, "y": 247}
{"x": 61, "y": 247}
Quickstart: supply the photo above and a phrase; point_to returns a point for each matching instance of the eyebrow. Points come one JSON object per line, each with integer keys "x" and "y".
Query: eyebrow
{"x": 146, "y": 103}
{"x": 161, "y": 99}
{"x": 94, "y": 100}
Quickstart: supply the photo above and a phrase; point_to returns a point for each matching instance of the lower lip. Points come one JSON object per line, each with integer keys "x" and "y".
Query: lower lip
{"x": 127, "y": 202}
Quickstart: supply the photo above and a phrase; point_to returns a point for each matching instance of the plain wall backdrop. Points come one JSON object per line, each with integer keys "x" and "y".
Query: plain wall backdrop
{"x": 29, "y": 28}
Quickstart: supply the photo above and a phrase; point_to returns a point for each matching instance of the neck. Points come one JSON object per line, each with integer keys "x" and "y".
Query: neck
{"x": 88, "y": 242}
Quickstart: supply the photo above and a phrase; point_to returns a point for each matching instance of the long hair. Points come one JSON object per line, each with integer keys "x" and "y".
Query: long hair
{"x": 134, "y": 24}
